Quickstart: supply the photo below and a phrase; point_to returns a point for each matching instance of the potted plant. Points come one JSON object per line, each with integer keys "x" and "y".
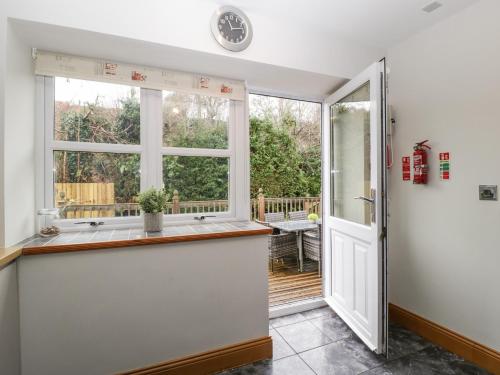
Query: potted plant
{"x": 313, "y": 218}
{"x": 153, "y": 202}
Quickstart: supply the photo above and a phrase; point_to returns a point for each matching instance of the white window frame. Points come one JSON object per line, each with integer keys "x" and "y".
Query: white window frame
{"x": 151, "y": 151}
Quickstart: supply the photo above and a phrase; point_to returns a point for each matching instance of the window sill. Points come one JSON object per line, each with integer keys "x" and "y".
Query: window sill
{"x": 136, "y": 223}
{"x": 108, "y": 239}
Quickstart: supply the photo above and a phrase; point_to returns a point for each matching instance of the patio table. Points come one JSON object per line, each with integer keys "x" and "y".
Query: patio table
{"x": 297, "y": 226}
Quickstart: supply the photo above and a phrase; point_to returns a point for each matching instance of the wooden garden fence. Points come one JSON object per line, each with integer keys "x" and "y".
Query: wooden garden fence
{"x": 79, "y": 200}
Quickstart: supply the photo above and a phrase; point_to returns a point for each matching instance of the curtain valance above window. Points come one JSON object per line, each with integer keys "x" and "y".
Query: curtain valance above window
{"x": 60, "y": 65}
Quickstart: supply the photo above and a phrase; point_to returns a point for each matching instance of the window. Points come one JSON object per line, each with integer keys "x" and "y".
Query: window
{"x": 96, "y": 173}
{"x": 96, "y": 112}
{"x": 196, "y": 155}
{"x": 199, "y": 180}
{"x": 104, "y": 143}
{"x": 195, "y": 121}
{"x": 95, "y": 184}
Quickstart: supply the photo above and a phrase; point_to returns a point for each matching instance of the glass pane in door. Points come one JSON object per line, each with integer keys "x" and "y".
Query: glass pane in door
{"x": 350, "y": 153}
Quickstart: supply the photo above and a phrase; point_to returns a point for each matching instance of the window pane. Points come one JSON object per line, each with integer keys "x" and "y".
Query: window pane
{"x": 87, "y": 111}
{"x": 202, "y": 183}
{"x": 97, "y": 184}
{"x": 195, "y": 121}
{"x": 350, "y": 156}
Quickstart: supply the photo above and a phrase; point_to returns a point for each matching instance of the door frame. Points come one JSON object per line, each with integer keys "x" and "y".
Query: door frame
{"x": 381, "y": 201}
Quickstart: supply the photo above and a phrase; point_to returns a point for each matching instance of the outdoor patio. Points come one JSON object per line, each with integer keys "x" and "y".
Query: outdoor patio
{"x": 287, "y": 284}
{"x": 294, "y": 254}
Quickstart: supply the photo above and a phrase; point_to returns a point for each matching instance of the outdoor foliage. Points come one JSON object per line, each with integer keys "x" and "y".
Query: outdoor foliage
{"x": 275, "y": 161}
{"x": 277, "y": 164}
{"x": 197, "y": 122}
{"x": 91, "y": 122}
{"x": 284, "y": 142}
{"x": 196, "y": 178}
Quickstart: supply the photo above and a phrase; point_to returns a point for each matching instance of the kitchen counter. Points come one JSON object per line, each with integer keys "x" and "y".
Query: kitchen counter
{"x": 139, "y": 302}
{"x": 8, "y": 254}
{"x": 107, "y": 239}
{"x": 11, "y": 253}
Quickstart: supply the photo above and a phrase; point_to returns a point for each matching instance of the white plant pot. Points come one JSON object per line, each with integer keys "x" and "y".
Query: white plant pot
{"x": 153, "y": 222}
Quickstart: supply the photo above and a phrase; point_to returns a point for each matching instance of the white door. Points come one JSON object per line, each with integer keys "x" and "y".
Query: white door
{"x": 354, "y": 211}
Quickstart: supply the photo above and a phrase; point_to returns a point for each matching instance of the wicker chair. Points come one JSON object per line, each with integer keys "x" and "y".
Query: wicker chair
{"x": 312, "y": 246}
{"x": 274, "y": 217}
{"x": 280, "y": 245}
{"x": 297, "y": 215}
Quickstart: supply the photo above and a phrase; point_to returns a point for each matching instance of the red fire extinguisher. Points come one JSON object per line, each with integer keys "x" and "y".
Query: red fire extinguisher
{"x": 420, "y": 167}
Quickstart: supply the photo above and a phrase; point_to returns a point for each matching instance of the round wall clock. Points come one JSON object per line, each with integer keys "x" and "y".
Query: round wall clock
{"x": 231, "y": 28}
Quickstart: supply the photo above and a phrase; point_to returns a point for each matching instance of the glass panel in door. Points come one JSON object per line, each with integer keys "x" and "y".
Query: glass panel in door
{"x": 350, "y": 156}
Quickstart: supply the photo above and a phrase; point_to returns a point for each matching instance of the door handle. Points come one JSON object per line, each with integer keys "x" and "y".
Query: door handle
{"x": 372, "y": 204}
{"x": 365, "y": 199}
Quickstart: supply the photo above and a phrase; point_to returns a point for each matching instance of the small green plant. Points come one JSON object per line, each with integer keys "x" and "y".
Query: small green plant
{"x": 312, "y": 217}
{"x": 153, "y": 201}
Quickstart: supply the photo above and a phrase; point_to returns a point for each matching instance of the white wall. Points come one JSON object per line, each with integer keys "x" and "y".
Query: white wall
{"x": 19, "y": 145}
{"x": 101, "y": 312}
{"x": 3, "y": 31}
{"x": 444, "y": 243}
{"x": 9, "y": 321}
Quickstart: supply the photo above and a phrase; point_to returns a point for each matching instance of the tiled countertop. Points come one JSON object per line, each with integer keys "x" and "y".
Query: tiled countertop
{"x": 106, "y": 239}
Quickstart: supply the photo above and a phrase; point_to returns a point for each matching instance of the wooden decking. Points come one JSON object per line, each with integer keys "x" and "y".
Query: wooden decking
{"x": 287, "y": 285}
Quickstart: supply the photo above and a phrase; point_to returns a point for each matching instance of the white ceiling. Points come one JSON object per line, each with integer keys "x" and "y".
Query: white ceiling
{"x": 380, "y": 23}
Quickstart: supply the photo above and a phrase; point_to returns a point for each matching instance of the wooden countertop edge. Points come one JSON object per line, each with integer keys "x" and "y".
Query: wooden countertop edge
{"x": 9, "y": 254}
{"x": 64, "y": 248}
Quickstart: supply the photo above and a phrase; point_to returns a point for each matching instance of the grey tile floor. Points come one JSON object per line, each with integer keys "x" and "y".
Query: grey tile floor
{"x": 319, "y": 342}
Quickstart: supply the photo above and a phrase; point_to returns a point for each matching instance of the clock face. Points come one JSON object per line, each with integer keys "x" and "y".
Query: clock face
{"x": 232, "y": 27}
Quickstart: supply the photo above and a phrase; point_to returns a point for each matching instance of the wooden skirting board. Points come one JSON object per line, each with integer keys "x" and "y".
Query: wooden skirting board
{"x": 479, "y": 354}
{"x": 213, "y": 361}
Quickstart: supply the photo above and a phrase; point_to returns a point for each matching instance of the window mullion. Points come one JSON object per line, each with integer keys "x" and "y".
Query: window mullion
{"x": 151, "y": 120}
{"x": 232, "y": 132}
{"x": 144, "y": 140}
{"x": 240, "y": 151}
{"x": 49, "y": 105}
